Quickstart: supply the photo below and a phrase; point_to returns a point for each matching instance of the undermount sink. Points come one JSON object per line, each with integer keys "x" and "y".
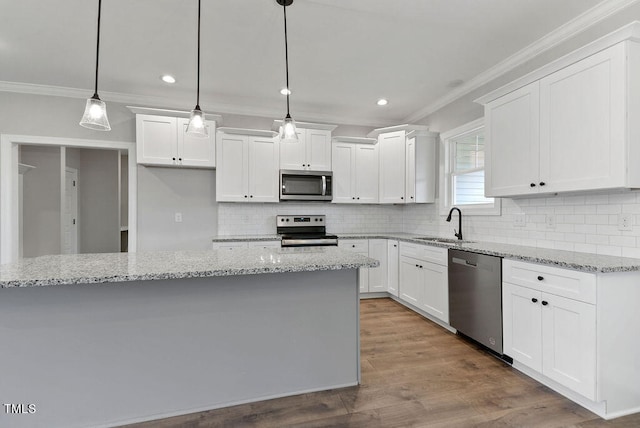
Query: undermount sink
{"x": 443, "y": 240}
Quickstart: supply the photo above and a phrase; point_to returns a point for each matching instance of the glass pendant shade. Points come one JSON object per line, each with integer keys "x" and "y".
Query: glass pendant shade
{"x": 196, "y": 126}
{"x": 288, "y": 133}
{"x": 95, "y": 115}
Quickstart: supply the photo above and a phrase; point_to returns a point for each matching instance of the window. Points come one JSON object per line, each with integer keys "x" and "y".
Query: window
{"x": 462, "y": 177}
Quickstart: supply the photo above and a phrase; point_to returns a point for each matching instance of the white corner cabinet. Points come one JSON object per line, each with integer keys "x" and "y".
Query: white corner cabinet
{"x": 248, "y": 166}
{"x": 407, "y": 164}
{"x": 423, "y": 281}
{"x": 312, "y": 152}
{"x": 162, "y": 141}
{"x": 355, "y": 171}
{"x": 568, "y": 329}
{"x": 570, "y": 126}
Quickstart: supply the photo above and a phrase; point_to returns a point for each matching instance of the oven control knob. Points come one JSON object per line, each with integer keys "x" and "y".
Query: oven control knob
{"x": 320, "y": 219}
{"x": 287, "y": 219}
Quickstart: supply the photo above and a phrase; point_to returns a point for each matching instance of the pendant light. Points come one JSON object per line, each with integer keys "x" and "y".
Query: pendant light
{"x": 288, "y": 132}
{"x": 95, "y": 112}
{"x": 196, "y": 126}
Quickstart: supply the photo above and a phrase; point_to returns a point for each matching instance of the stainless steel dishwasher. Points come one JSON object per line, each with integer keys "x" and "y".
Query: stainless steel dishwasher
{"x": 475, "y": 297}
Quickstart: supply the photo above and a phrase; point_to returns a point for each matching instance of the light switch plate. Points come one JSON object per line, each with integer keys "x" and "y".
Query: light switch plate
{"x": 519, "y": 220}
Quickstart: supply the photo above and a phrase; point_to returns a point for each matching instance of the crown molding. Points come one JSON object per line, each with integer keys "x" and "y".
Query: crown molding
{"x": 356, "y": 140}
{"x": 561, "y": 34}
{"x": 305, "y": 125}
{"x": 245, "y": 131}
{"x": 405, "y": 127}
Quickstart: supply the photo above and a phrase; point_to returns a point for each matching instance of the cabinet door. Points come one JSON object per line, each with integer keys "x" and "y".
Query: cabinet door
{"x": 411, "y": 281}
{"x": 392, "y": 165}
{"x": 582, "y": 124}
{"x": 196, "y": 151}
{"x": 263, "y": 169}
{"x": 366, "y": 182}
{"x": 522, "y": 325}
{"x": 410, "y": 172}
{"x": 378, "y": 275}
{"x": 512, "y": 125}
{"x": 435, "y": 296}
{"x": 569, "y": 343}
{"x": 232, "y": 174}
{"x": 294, "y": 155}
{"x": 156, "y": 139}
{"x": 344, "y": 169}
{"x": 392, "y": 267}
{"x": 359, "y": 246}
{"x": 318, "y": 150}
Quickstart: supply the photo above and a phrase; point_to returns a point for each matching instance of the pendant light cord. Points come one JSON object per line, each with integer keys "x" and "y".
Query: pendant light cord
{"x": 95, "y": 92}
{"x": 286, "y": 53}
{"x": 198, "y": 84}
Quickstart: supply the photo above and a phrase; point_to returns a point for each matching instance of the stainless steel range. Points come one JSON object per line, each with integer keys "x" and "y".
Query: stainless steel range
{"x": 304, "y": 231}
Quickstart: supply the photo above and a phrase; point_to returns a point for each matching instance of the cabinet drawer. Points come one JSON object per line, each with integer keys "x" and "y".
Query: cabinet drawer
{"x": 355, "y": 245}
{"x": 561, "y": 282}
{"x": 426, "y": 253}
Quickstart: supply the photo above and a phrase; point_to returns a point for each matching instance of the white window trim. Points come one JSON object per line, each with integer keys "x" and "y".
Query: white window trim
{"x": 445, "y": 174}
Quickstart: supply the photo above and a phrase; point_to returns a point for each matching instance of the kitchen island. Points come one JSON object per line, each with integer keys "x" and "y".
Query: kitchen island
{"x": 108, "y": 339}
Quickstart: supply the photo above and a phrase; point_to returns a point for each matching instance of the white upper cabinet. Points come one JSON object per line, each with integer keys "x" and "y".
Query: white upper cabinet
{"x": 407, "y": 164}
{"x": 312, "y": 152}
{"x": 420, "y": 167}
{"x": 392, "y": 167}
{"x": 571, "y": 127}
{"x": 248, "y": 166}
{"x": 512, "y": 156}
{"x": 355, "y": 171}
{"x": 161, "y": 141}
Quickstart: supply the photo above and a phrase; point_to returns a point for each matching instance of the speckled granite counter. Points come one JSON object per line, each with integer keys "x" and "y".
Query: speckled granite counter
{"x": 119, "y": 267}
{"x": 585, "y": 262}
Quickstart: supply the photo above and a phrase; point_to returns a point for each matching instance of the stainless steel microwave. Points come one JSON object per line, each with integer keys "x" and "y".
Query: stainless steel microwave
{"x": 305, "y": 185}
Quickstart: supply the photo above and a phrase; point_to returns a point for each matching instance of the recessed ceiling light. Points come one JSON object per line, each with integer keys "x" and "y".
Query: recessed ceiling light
{"x": 167, "y": 78}
{"x": 382, "y": 102}
{"x": 285, "y": 91}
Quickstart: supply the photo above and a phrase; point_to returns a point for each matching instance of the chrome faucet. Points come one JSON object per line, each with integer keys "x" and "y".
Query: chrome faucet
{"x": 458, "y": 234}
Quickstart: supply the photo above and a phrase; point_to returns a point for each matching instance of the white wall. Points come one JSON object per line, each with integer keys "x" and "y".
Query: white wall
{"x": 163, "y": 192}
{"x": 41, "y": 198}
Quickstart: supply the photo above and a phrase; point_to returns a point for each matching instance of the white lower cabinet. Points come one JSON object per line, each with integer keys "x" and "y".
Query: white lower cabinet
{"x": 360, "y": 246}
{"x": 393, "y": 273}
{"x": 378, "y": 275}
{"x": 552, "y": 334}
{"x": 424, "y": 279}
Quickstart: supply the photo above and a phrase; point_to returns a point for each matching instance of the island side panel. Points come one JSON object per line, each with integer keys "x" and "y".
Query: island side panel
{"x": 103, "y": 354}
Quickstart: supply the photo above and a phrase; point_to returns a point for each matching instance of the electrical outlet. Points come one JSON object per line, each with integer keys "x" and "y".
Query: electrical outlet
{"x": 550, "y": 220}
{"x": 625, "y": 221}
{"x": 519, "y": 220}
{"x": 178, "y": 217}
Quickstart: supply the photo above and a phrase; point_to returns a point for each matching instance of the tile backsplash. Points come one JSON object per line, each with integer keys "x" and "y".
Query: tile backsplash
{"x": 585, "y": 223}
{"x": 260, "y": 219}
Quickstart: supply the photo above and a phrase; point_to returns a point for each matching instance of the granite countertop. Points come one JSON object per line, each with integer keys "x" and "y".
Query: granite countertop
{"x": 585, "y": 262}
{"x": 246, "y": 238}
{"x": 144, "y": 266}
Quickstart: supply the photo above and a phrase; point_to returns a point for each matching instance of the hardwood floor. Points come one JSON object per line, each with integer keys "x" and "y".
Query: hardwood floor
{"x": 414, "y": 374}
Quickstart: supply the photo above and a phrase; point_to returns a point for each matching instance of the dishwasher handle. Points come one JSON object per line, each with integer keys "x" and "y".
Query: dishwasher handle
{"x": 463, "y": 262}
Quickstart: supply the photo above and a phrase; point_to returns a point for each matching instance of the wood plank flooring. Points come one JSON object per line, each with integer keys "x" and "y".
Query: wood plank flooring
{"x": 414, "y": 374}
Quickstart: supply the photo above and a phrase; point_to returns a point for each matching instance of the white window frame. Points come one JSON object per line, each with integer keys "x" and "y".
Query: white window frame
{"x": 446, "y": 168}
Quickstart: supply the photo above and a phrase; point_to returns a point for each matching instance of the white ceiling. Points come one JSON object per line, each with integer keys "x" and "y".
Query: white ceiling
{"x": 344, "y": 54}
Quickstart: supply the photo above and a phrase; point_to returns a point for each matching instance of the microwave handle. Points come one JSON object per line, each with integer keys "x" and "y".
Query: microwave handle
{"x": 324, "y": 185}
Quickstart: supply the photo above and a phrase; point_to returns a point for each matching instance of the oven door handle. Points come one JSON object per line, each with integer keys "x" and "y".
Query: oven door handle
{"x": 324, "y": 185}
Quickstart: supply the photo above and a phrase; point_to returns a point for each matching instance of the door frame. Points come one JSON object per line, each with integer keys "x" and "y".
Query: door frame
{"x": 9, "y": 191}
{"x": 63, "y": 205}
